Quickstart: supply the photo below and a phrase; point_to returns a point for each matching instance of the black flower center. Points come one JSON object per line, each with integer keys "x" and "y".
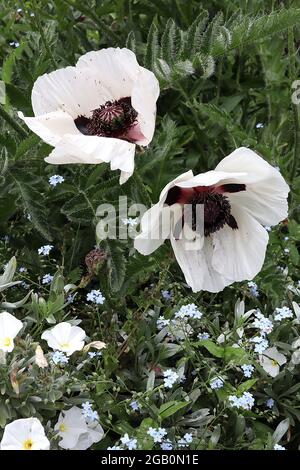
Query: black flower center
{"x": 216, "y": 206}
{"x": 112, "y": 119}
{"x": 217, "y": 212}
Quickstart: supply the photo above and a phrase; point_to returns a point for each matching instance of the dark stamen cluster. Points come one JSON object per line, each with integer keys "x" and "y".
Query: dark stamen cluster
{"x": 217, "y": 212}
{"x": 112, "y": 119}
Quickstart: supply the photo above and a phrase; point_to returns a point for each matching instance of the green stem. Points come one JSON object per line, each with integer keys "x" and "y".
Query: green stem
{"x": 43, "y": 38}
{"x": 12, "y": 122}
{"x": 292, "y": 76}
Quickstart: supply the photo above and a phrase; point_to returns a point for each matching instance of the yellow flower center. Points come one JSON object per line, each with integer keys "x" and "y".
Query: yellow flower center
{"x": 27, "y": 444}
{"x": 64, "y": 346}
{"x": 6, "y": 342}
{"x": 274, "y": 363}
{"x": 62, "y": 427}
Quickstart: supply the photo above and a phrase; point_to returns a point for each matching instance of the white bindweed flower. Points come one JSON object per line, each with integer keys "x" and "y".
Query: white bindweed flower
{"x": 65, "y": 337}
{"x": 24, "y": 434}
{"x": 9, "y": 328}
{"x": 76, "y": 434}
{"x": 215, "y": 220}
{"x": 96, "y": 111}
{"x": 271, "y": 360}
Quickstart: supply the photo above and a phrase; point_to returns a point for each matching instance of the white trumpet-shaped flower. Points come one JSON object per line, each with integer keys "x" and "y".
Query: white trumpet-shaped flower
{"x": 76, "y": 434}
{"x": 224, "y": 241}
{"x": 65, "y": 337}
{"x": 24, "y": 434}
{"x": 9, "y": 328}
{"x": 97, "y": 111}
{"x": 271, "y": 360}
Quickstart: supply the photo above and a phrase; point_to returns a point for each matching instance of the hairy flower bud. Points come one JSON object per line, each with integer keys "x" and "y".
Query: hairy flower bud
{"x": 94, "y": 260}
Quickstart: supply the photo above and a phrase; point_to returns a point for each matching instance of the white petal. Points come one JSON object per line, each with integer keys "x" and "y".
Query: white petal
{"x": 95, "y": 434}
{"x": 197, "y": 267}
{"x": 116, "y": 68}
{"x": 16, "y": 432}
{"x": 154, "y": 223}
{"x": 239, "y": 254}
{"x": 75, "y": 90}
{"x": 93, "y": 150}
{"x": 77, "y": 334}
{"x": 266, "y": 191}
{"x": 9, "y": 325}
{"x": 211, "y": 178}
{"x": 156, "y": 226}
{"x": 144, "y": 96}
{"x": 273, "y": 353}
{"x": 268, "y": 365}
{"x": 51, "y": 127}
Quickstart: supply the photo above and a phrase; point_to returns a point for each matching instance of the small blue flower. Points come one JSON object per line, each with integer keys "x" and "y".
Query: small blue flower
{"x": 188, "y": 311}
{"x": 283, "y": 313}
{"x": 47, "y": 279}
{"x": 88, "y": 412}
{"x": 134, "y": 406}
{"x": 203, "y": 336}
{"x": 170, "y": 378}
{"x": 45, "y": 250}
{"x": 185, "y": 440}
{"x": 157, "y": 434}
{"x": 70, "y": 298}
{"x": 129, "y": 442}
{"x": 167, "y": 295}
{"x": 247, "y": 370}
{"x": 166, "y": 445}
{"x": 216, "y": 383}
{"x": 270, "y": 403}
{"x": 96, "y": 297}
{"x": 55, "y": 180}
{"x": 246, "y": 401}
{"x": 253, "y": 289}
{"x": 59, "y": 357}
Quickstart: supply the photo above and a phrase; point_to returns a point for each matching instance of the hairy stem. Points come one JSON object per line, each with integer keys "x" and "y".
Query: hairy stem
{"x": 12, "y": 122}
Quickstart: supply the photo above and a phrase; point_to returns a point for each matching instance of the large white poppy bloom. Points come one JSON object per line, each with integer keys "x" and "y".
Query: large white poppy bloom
{"x": 97, "y": 111}
{"x": 9, "y": 328}
{"x": 241, "y": 195}
{"x": 271, "y": 360}
{"x": 65, "y": 337}
{"x": 76, "y": 434}
{"x": 25, "y": 434}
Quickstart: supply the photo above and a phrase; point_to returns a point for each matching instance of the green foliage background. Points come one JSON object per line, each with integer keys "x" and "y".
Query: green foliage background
{"x": 223, "y": 68}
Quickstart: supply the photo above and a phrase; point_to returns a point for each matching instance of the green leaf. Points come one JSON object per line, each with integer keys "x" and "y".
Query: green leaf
{"x": 168, "y": 42}
{"x": 116, "y": 263}
{"x": 33, "y": 204}
{"x": 237, "y": 355}
{"x": 170, "y": 408}
{"x": 9, "y": 271}
{"x": 246, "y": 386}
{"x": 280, "y": 431}
{"x": 215, "y": 350}
{"x": 152, "y": 49}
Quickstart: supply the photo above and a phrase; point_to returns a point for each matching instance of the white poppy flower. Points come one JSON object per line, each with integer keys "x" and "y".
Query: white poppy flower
{"x": 97, "y": 111}
{"x": 65, "y": 337}
{"x": 9, "y": 328}
{"x": 241, "y": 195}
{"x": 271, "y": 360}
{"x": 76, "y": 434}
{"x": 25, "y": 434}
